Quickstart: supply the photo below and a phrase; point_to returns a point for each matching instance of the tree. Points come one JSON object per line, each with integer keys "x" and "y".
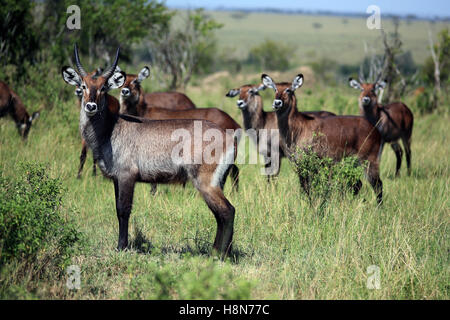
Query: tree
{"x": 18, "y": 38}
{"x": 104, "y": 26}
{"x": 183, "y": 52}
{"x": 436, "y": 68}
{"x": 271, "y": 55}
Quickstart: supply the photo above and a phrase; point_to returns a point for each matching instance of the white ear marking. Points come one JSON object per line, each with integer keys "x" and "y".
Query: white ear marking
{"x": 268, "y": 82}
{"x": 71, "y": 76}
{"x": 116, "y": 80}
{"x": 297, "y": 83}
{"x": 233, "y": 93}
{"x": 143, "y": 74}
{"x": 355, "y": 84}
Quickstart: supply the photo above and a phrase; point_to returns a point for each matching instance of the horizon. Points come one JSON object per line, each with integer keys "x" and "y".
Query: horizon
{"x": 420, "y": 9}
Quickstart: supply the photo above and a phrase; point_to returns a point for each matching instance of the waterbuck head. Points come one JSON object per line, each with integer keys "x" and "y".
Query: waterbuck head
{"x": 95, "y": 74}
{"x": 25, "y": 126}
{"x": 246, "y": 93}
{"x": 284, "y": 91}
{"x": 131, "y": 89}
{"x": 368, "y": 97}
{"x": 94, "y": 87}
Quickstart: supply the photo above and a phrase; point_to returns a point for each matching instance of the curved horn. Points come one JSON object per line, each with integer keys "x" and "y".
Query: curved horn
{"x": 109, "y": 72}
{"x": 78, "y": 63}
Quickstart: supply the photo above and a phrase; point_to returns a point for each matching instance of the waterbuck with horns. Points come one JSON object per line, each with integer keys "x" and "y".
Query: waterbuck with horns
{"x": 254, "y": 116}
{"x": 394, "y": 121}
{"x": 130, "y": 149}
{"x": 11, "y": 104}
{"x": 334, "y": 137}
{"x": 133, "y": 100}
{"x": 84, "y": 147}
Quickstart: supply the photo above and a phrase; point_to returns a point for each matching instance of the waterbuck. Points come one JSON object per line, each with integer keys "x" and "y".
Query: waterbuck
{"x": 254, "y": 116}
{"x": 334, "y": 137}
{"x": 130, "y": 149}
{"x": 133, "y": 100}
{"x": 394, "y": 121}
{"x": 83, "y": 154}
{"x": 10, "y": 103}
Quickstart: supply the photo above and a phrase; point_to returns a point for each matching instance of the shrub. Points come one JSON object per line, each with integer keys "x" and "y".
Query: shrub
{"x": 194, "y": 281}
{"x": 36, "y": 241}
{"x": 321, "y": 177}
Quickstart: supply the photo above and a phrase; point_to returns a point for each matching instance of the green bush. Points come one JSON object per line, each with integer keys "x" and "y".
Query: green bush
{"x": 30, "y": 218}
{"x": 322, "y": 177}
{"x": 271, "y": 55}
{"x": 212, "y": 281}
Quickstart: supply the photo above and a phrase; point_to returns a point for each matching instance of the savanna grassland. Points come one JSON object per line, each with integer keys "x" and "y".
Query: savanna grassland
{"x": 341, "y": 39}
{"x": 284, "y": 248}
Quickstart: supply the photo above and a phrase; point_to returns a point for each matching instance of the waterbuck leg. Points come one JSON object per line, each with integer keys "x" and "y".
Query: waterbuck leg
{"x": 94, "y": 168}
{"x": 124, "y": 189}
{"x": 398, "y": 153}
{"x": 82, "y": 158}
{"x": 153, "y": 189}
{"x": 234, "y": 174}
{"x": 224, "y": 213}
{"x": 373, "y": 175}
{"x": 407, "y": 146}
{"x": 357, "y": 187}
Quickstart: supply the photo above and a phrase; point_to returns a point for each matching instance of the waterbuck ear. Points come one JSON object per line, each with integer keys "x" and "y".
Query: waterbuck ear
{"x": 297, "y": 82}
{"x": 354, "y": 84}
{"x": 268, "y": 82}
{"x": 233, "y": 93}
{"x": 35, "y": 116}
{"x": 116, "y": 80}
{"x": 143, "y": 74}
{"x": 117, "y": 69}
{"x": 261, "y": 87}
{"x": 71, "y": 76}
{"x": 380, "y": 85}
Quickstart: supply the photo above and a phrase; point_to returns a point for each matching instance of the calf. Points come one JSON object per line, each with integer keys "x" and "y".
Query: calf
{"x": 394, "y": 121}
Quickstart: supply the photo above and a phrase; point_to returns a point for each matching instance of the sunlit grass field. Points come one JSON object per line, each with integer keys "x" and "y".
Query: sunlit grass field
{"x": 283, "y": 248}
{"x": 341, "y": 39}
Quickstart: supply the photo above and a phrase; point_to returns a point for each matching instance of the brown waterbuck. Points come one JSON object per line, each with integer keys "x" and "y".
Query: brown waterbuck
{"x": 135, "y": 101}
{"x": 394, "y": 121}
{"x": 11, "y": 104}
{"x": 334, "y": 137}
{"x": 131, "y": 103}
{"x": 254, "y": 116}
{"x": 83, "y": 154}
{"x": 130, "y": 149}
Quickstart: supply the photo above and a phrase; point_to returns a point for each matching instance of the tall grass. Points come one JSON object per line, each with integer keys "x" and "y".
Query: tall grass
{"x": 283, "y": 249}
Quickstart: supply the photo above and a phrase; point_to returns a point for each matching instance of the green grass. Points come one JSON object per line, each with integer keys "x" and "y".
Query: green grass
{"x": 336, "y": 40}
{"x": 284, "y": 250}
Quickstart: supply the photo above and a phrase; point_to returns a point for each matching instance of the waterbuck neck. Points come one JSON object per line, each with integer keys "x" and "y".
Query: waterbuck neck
{"x": 96, "y": 130}
{"x": 290, "y": 123}
{"x": 372, "y": 113}
{"x": 130, "y": 104}
{"x": 254, "y": 115}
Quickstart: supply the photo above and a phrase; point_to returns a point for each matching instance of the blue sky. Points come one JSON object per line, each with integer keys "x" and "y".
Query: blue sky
{"x": 422, "y": 8}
